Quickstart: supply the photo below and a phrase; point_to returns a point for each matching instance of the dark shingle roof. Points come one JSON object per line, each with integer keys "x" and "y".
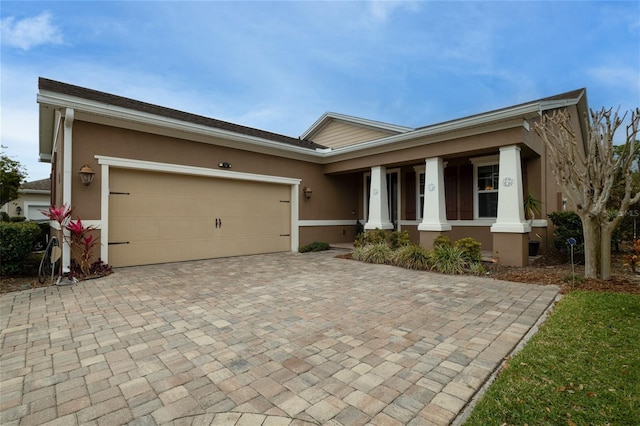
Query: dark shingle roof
{"x": 562, "y": 96}
{"x": 37, "y": 185}
{"x": 94, "y": 95}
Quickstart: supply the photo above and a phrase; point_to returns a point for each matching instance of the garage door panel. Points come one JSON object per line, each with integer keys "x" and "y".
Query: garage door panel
{"x": 167, "y": 217}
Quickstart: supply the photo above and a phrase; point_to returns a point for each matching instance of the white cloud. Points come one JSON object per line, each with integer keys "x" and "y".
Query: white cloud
{"x": 381, "y": 10}
{"x": 30, "y": 32}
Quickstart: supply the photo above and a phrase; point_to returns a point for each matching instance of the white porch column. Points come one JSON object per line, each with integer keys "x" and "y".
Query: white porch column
{"x": 435, "y": 213}
{"x": 378, "y": 200}
{"x": 510, "y": 199}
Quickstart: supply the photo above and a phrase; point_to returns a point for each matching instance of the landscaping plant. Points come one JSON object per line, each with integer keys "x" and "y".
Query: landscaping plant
{"x": 81, "y": 240}
{"x": 471, "y": 248}
{"x": 632, "y": 260}
{"x": 18, "y": 239}
{"x": 314, "y": 246}
{"x": 379, "y": 253}
{"x": 412, "y": 257}
{"x": 449, "y": 259}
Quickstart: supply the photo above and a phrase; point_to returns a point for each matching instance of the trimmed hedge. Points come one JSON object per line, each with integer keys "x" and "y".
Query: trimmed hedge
{"x": 17, "y": 240}
{"x": 314, "y": 246}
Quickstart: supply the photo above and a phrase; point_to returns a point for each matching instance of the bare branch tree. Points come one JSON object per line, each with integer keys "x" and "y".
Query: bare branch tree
{"x": 588, "y": 173}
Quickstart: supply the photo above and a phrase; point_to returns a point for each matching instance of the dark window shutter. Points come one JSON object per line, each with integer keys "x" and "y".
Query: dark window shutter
{"x": 451, "y": 192}
{"x": 466, "y": 192}
{"x": 410, "y": 195}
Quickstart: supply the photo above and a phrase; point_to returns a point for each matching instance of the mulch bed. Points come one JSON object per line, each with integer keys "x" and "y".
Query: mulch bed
{"x": 555, "y": 270}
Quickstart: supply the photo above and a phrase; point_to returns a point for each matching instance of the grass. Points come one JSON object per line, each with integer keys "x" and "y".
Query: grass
{"x": 581, "y": 368}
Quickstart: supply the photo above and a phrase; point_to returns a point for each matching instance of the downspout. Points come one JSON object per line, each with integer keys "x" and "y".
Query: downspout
{"x": 66, "y": 181}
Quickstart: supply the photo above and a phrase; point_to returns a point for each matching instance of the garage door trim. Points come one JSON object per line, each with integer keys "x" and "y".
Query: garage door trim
{"x": 126, "y": 163}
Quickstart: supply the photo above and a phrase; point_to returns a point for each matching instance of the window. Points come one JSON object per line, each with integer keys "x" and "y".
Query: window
{"x": 487, "y": 178}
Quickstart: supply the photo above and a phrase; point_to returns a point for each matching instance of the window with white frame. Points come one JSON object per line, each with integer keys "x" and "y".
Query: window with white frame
{"x": 487, "y": 178}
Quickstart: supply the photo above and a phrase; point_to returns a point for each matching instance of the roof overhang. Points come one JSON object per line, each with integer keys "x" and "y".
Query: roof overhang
{"x": 102, "y": 113}
{"x": 93, "y": 111}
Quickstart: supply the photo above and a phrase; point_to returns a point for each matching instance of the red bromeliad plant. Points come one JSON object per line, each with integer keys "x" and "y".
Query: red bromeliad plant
{"x": 83, "y": 241}
{"x": 58, "y": 214}
{"x": 80, "y": 236}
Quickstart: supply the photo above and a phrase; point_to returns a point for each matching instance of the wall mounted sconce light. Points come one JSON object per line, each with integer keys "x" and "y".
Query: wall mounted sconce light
{"x": 224, "y": 165}
{"x": 18, "y": 211}
{"x": 307, "y": 192}
{"x": 86, "y": 175}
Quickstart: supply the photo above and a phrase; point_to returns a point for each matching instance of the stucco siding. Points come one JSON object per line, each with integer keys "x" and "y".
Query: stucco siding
{"x": 333, "y": 197}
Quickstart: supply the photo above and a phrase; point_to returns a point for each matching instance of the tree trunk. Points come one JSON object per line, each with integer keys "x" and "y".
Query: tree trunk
{"x": 591, "y": 231}
{"x": 605, "y": 252}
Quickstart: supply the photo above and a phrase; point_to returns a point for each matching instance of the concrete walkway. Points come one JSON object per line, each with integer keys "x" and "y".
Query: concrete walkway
{"x": 281, "y": 339}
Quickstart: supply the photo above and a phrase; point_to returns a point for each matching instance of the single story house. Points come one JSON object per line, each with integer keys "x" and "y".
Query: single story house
{"x": 172, "y": 186}
{"x": 33, "y": 197}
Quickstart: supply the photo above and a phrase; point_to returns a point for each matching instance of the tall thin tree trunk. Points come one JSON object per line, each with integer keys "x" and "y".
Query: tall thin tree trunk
{"x": 591, "y": 231}
{"x": 605, "y": 251}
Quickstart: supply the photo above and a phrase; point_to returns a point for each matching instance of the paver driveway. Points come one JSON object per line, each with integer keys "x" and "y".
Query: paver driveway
{"x": 271, "y": 339}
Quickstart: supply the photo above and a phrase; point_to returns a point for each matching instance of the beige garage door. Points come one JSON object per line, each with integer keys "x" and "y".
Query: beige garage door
{"x": 163, "y": 217}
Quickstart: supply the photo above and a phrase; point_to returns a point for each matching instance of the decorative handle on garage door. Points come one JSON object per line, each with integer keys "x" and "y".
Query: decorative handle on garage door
{"x": 218, "y": 223}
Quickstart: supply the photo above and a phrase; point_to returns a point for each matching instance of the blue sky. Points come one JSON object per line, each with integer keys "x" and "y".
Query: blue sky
{"x": 279, "y": 66}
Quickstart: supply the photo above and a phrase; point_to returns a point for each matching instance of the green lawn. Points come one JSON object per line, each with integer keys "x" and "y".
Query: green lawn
{"x": 581, "y": 368}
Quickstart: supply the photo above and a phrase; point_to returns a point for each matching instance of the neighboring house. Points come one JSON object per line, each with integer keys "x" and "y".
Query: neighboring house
{"x": 172, "y": 186}
{"x": 32, "y": 198}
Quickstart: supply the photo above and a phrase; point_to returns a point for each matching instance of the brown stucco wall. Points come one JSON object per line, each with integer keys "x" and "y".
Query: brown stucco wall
{"x": 480, "y": 233}
{"x": 334, "y": 197}
{"x": 329, "y": 234}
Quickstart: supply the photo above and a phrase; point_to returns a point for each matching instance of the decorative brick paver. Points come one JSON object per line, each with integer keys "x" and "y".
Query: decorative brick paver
{"x": 282, "y": 339}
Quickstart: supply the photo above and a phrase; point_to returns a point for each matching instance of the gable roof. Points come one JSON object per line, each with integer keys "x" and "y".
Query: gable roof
{"x": 328, "y": 117}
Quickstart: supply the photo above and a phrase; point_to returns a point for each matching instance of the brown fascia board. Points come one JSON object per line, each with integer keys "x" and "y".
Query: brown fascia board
{"x": 120, "y": 101}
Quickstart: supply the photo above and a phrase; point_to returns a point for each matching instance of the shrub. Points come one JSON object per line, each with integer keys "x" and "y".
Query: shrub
{"x": 448, "y": 259}
{"x": 377, "y": 236}
{"x": 441, "y": 240}
{"x": 477, "y": 268}
{"x": 379, "y": 253}
{"x": 412, "y": 257}
{"x": 17, "y": 219}
{"x": 358, "y": 253}
{"x": 4, "y": 217}
{"x": 471, "y": 248}
{"x": 314, "y": 246}
{"x": 568, "y": 225}
{"x": 399, "y": 239}
{"x": 45, "y": 231}
{"x": 18, "y": 239}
